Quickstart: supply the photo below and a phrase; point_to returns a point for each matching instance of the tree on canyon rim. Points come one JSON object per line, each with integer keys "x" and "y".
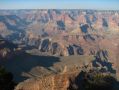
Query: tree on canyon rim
{"x": 6, "y": 80}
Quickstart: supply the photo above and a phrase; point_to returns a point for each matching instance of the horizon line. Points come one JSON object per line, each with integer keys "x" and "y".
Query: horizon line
{"x": 58, "y": 9}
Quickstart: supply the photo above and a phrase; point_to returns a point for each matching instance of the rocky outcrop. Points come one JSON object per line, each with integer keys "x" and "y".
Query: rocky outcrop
{"x": 62, "y": 80}
{"x": 57, "y": 82}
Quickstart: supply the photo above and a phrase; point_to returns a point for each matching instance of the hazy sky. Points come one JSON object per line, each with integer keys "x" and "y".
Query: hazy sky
{"x": 60, "y": 4}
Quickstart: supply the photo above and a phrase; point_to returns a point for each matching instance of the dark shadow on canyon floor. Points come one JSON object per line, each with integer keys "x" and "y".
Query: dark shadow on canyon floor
{"x": 26, "y": 62}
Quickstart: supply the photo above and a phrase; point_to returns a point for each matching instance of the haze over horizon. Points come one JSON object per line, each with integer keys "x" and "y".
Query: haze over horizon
{"x": 62, "y": 4}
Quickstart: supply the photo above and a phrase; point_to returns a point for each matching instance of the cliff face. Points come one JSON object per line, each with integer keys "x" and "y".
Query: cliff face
{"x": 57, "y": 82}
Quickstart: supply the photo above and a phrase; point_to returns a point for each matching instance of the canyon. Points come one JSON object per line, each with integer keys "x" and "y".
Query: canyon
{"x": 45, "y": 48}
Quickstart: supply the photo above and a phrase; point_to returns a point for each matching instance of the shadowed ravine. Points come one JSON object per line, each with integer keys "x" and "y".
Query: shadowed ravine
{"x": 20, "y": 64}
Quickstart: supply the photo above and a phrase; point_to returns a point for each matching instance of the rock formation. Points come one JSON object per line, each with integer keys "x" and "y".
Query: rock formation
{"x": 60, "y": 33}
